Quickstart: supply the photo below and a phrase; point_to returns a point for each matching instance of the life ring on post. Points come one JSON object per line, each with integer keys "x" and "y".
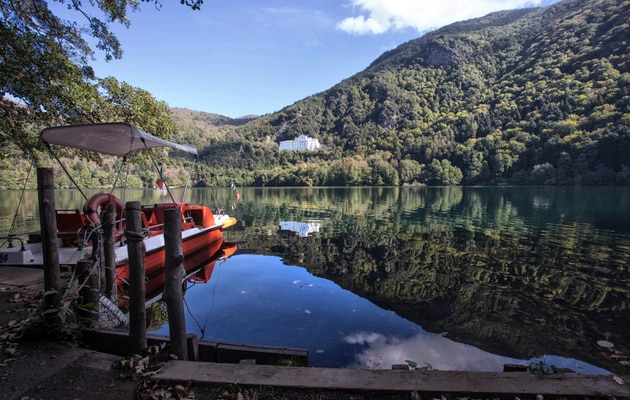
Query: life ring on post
{"x": 98, "y": 203}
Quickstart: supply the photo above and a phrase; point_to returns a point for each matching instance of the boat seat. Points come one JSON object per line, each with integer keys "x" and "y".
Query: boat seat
{"x": 149, "y": 221}
{"x": 155, "y": 215}
{"x": 69, "y": 223}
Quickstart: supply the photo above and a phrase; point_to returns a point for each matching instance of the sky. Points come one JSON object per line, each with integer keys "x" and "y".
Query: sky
{"x": 244, "y": 57}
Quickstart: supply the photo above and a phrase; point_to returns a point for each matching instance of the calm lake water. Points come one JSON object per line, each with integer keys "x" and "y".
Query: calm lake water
{"x": 459, "y": 278}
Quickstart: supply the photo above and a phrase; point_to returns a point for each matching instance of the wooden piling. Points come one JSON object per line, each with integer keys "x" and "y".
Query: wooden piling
{"x": 109, "y": 255}
{"x": 88, "y": 271}
{"x": 137, "y": 290}
{"x": 48, "y": 224}
{"x": 174, "y": 271}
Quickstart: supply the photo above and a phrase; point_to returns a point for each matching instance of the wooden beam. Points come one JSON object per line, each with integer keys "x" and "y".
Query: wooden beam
{"x": 117, "y": 342}
{"x": 487, "y": 383}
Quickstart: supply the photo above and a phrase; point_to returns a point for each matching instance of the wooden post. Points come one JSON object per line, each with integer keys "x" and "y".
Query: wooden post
{"x": 109, "y": 254}
{"x": 97, "y": 258}
{"x": 48, "y": 224}
{"x": 89, "y": 290}
{"x": 137, "y": 290}
{"x": 174, "y": 271}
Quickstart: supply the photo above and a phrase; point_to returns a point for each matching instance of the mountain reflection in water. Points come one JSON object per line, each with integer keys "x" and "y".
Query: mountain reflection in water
{"x": 257, "y": 299}
{"x": 520, "y": 272}
{"x": 456, "y": 277}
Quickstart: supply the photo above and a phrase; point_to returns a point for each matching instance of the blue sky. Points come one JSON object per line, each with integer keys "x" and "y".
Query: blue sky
{"x": 239, "y": 57}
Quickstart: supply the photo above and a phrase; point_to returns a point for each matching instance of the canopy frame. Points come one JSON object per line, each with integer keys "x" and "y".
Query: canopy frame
{"x": 118, "y": 139}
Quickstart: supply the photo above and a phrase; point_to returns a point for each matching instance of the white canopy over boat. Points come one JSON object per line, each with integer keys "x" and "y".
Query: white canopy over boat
{"x": 118, "y": 138}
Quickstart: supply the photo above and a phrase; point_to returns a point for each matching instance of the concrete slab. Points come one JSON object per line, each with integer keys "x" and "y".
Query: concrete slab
{"x": 55, "y": 371}
{"x": 21, "y": 277}
{"x": 499, "y": 383}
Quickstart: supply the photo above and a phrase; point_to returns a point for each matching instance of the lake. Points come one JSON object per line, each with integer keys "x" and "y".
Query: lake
{"x": 455, "y": 278}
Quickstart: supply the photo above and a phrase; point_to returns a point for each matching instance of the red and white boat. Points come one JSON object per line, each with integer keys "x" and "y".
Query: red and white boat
{"x": 202, "y": 230}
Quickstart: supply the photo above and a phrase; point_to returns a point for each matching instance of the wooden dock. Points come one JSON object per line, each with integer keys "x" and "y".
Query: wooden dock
{"x": 117, "y": 342}
{"x": 468, "y": 383}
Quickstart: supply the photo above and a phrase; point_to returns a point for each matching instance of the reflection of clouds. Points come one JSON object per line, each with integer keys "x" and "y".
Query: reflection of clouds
{"x": 363, "y": 338}
{"x": 439, "y": 352}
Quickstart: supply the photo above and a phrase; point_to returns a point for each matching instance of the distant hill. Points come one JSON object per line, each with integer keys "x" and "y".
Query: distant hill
{"x": 531, "y": 96}
{"x": 199, "y": 128}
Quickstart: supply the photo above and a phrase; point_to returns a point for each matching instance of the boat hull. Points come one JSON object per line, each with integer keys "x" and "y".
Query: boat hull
{"x": 202, "y": 237}
{"x": 198, "y": 248}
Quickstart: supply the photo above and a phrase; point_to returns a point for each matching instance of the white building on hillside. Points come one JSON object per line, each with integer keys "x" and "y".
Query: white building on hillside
{"x": 303, "y": 229}
{"x": 303, "y": 142}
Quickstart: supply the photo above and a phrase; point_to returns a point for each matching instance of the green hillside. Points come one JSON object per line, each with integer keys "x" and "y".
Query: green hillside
{"x": 525, "y": 97}
{"x": 535, "y": 96}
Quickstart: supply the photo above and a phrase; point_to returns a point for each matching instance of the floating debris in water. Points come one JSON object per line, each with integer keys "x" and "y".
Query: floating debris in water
{"x": 605, "y": 343}
{"x": 375, "y": 362}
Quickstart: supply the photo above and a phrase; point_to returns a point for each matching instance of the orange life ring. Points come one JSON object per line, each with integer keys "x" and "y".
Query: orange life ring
{"x": 98, "y": 202}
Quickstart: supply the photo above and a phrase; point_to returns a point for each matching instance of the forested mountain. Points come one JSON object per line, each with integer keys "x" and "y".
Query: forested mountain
{"x": 533, "y": 96}
{"x": 525, "y": 97}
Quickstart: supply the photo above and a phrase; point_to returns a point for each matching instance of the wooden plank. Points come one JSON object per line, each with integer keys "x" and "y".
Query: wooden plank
{"x": 234, "y": 353}
{"x": 513, "y": 383}
{"x": 117, "y": 342}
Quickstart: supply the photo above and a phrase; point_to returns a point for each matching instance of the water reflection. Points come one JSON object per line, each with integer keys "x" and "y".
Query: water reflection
{"x": 303, "y": 229}
{"x": 435, "y": 351}
{"x": 519, "y": 272}
{"x": 509, "y": 273}
{"x": 259, "y": 300}
{"x": 427, "y": 350}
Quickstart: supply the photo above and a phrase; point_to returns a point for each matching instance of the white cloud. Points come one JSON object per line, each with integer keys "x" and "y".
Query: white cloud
{"x": 379, "y": 16}
{"x": 437, "y": 351}
{"x": 379, "y": 351}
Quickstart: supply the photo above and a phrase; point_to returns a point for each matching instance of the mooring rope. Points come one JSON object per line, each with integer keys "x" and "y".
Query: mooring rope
{"x": 134, "y": 236}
